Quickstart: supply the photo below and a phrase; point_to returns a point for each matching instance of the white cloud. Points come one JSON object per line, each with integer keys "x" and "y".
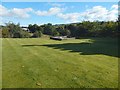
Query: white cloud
{"x": 3, "y": 11}
{"x": 101, "y": 13}
{"x": 15, "y": 12}
{"x": 96, "y": 13}
{"x": 114, "y": 7}
{"x": 72, "y": 17}
{"x": 51, "y": 11}
{"x": 23, "y": 13}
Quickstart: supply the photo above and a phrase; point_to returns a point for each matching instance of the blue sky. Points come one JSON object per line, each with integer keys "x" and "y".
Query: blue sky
{"x": 57, "y": 12}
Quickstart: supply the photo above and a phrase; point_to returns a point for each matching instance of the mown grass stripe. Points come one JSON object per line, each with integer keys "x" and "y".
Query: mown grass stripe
{"x": 56, "y": 66}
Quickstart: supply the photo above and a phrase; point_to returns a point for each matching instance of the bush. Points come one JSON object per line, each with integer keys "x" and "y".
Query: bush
{"x": 37, "y": 34}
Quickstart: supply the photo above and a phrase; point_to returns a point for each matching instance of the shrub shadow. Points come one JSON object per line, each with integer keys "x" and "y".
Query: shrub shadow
{"x": 30, "y": 45}
{"x": 109, "y": 48}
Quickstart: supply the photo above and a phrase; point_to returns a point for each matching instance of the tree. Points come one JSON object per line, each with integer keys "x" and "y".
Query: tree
{"x": 83, "y": 29}
{"x": 14, "y": 31}
{"x": 37, "y": 34}
{"x": 48, "y": 29}
{"x": 33, "y": 28}
{"x": 40, "y": 29}
{"x": 5, "y": 32}
{"x": 60, "y": 29}
{"x": 67, "y": 32}
{"x": 81, "y": 32}
{"x": 72, "y": 28}
{"x": 30, "y": 27}
{"x": 24, "y": 34}
{"x": 55, "y": 33}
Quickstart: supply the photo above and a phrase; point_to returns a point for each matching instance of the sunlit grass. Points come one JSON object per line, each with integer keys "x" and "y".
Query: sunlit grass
{"x": 44, "y": 63}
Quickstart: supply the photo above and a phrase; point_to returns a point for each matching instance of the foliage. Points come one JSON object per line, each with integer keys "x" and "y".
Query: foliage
{"x": 24, "y": 34}
{"x": 83, "y": 29}
{"x": 55, "y": 33}
{"x": 37, "y": 34}
{"x": 5, "y": 32}
{"x": 12, "y": 30}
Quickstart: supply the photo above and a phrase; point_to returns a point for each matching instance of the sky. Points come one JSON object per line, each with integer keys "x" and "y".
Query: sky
{"x": 57, "y": 12}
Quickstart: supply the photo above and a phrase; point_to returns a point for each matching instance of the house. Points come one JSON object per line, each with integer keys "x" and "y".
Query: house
{"x": 25, "y": 28}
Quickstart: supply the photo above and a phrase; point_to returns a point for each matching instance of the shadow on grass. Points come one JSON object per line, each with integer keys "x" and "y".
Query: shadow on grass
{"x": 97, "y": 46}
{"x": 30, "y": 45}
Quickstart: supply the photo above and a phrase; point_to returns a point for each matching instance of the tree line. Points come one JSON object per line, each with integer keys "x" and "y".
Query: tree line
{"x": 77, "y": 30}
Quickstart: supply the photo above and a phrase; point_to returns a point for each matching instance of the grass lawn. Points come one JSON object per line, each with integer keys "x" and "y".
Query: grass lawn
{"x": 44, "y": 63}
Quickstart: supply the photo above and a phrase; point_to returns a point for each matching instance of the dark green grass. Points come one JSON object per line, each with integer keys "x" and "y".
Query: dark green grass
{"x": 81, "y": 63}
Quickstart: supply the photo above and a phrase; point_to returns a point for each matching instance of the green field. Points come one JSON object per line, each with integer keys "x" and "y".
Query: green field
{"x": 73, "y": 63}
